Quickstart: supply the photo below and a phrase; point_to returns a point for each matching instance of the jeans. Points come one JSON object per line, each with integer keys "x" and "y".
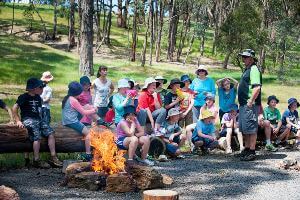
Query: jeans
{"x": 158, "y": 115}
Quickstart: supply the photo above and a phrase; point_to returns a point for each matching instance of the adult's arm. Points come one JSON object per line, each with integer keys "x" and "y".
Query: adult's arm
{"x": 11, "y": 121}
{"x": 120, "y": 104}
{"x": 139, "y": 130}
{"x": 112, "y": 88}
{"x": 157, "y": 101}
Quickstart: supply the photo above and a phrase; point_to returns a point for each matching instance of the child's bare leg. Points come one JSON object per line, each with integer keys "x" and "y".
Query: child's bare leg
{"x": 228, "y": 137}
{"x": 51, "y": 144}
{"x": 182, "y": 140}
{"x": 87, "y": 140}
{"x": 131, "y": 143}
{"x": 36, "y": 150}
{"x": 240, "y": 138}
{"x": 145, "y": 142}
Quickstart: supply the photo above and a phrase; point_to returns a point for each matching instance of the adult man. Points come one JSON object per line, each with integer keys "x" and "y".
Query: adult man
{"x": 249, "y": 97}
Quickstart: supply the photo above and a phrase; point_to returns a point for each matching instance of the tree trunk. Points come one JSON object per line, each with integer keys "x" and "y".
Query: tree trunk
{"x": 143, "y": 54}
{"x": 86, "y": 47}
{"x": 119, "y": 15}
{"x": 125, "y": 14}
{"x": 160, "y": 195}
{"x": 202, "y": 43}
{"x": 183, "y": 34}
{"x": 172, "y": 31}
{"x": 151, "y": 18}
{"x": 109, "y": 16}
{"x": 226, "y": 60}
{"x": 13, "y": 18}
{"x": 134, "y": 31}
{"x": 54, "y": 20}
{"x": 79, "y": 28}
{"x": 97, "y": 21}
{"x": 159, "y": 35}
{"x": 72, "y": 25}
{"x": 46, "y": 36}
{"x": 262, "y": 59}
{"x": 190, "y": 48}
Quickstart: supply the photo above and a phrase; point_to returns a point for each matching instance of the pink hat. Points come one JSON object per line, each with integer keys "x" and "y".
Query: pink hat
{"x": 47, "y": 76}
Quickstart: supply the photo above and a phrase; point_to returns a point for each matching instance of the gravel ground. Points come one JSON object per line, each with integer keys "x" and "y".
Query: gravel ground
{"x": 208, "y": 177}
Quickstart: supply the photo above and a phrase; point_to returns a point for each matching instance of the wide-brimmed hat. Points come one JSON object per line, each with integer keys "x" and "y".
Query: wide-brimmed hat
{"x": 85, "y": 80}
{"x": 234, "y": 107}
{"x": 33, "y": 83}
{"x": 75, "y": 88}
{"x": 202, "y": 68}
{"x": 248, "y": 53}
{"x": 47, "y": 76}
{"x": 272, "y": 97}
{"x": 128, "y": 110}
{"x": 173, "y": 112}
{"x": 206, "y": 114}
{"x": 123, "y": 83}
{"x": 293, "y": 100}
{"x": 185, "y": 78}
{"x": 175, "y": 81}
{"x": 209, "y": 96}
{"x": 148, "y": 81}
{"x": 161, "y": 78}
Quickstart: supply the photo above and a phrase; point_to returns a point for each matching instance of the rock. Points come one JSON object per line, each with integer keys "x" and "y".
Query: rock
{"x": 7, "y": 193}
{"x": 88, "y": 180}
{"x": 287, "y": 163}
{"x": 121, "y": 182}
{"x": 167, "y": 180}
{"x": 146, "y": 177}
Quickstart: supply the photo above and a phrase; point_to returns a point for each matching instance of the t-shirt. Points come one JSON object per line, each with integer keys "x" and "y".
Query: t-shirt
{"x": 2, "y": 104}
{"x": 202, "y": 87}
{"x": 293, "y": 117}
{"x": 170, "y": 98}
{"x": 47, "y": 94}
{"x": 226, "y": 99}
{"x": 118, "y": 106}
{"x": 163, "y": 92}
{"x": 250, "y": 78}
{"x": 85, "y": 98}
{"x": 206, "y": 129}
{"x": 227, "y": 117}
{"x": 146, "y": 100}
{"x": 102, "y": 91}
{"x": 272, "y": 115}
{"x": 120, "y": 131}
{"x": 30, "y": 106}
{"x": 168, "y": 129}
{"x": 185, "y": 102}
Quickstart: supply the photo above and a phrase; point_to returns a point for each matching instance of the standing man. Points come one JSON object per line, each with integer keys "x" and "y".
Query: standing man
{"x": 249, "y": 97}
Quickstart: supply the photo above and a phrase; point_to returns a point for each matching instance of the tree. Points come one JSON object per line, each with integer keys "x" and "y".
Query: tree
{"x": 174, "y": 18}
{"x": 144, "y": 50}
{"x": 159, "y": 34}
{"x": 54, "y": 19}
{"x": 134, "y": 31}
{"x": 119, "y": 15}
{"x": 72, "y": 25}
{"x": 86, "y": 37}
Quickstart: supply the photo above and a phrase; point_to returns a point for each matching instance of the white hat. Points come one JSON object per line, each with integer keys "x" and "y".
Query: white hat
{"x": 161, "y": 78}
{"x": 47, "y": 76}
{"x": 123, "y": 83}
{"x": 201, "y": 67}
{"x": 148, "y": 81}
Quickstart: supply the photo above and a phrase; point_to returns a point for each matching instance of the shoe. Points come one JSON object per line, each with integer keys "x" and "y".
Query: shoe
{"x": 180, "y": 156}
{"x": 87, "y": 157}
{"x": 101, "y": 122}
{"x": 228, "y": 151}
{"x": 147, "y": 162}
{"x": 40, "y": 164}
{"x": 243, "y": 153}
{"x": 204, "y": 151}
{"x": 27, "y": 162}
{"x": 162, "y": 158}
{"x": 270, "y": 147}
{"x": 248, "y": 157}
{"x": 54, "y": 162}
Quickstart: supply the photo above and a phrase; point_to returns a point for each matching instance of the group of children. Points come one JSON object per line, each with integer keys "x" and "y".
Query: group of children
{"x": 185, "y": 114}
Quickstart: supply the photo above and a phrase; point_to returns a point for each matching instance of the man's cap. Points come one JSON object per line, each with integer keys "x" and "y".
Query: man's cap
{"x": 173, "y": 112}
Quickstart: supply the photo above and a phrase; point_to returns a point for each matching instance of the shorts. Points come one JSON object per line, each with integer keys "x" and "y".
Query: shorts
{"x": 46, "y": 115}
{"x": 77, "y": 126}
{"x": 120, "y": 143}
{"x": 37, "y": 128}
{"x": 207, "y": 143}
{"x": 187, "y": 120}
{"x": 248, "y": 119}
{"x": 171, "y": 149}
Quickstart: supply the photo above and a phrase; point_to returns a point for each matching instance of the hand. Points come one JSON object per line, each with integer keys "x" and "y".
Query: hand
{"x": 154, "y": 95}
{"x": 211, "y": 138}
{"x": 183, "y": 115}
{"x": 178, "y": 99}
{"x": 11, "y": 122}
{"x": 171, "y": 138}
{"x": 20, "y": 124}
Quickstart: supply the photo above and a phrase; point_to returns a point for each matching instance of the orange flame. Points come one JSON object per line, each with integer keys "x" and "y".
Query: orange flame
{"x": 107, "y": 158}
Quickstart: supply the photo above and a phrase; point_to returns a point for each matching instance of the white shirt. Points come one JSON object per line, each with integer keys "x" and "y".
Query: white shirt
{"x": 102, "y": 90}
{"x": 47, "y": 94}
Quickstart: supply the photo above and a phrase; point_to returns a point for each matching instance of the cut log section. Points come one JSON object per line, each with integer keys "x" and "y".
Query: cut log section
{"x": 160, "y": 195}
{"x": 157, "y": 147}
{"x": 14, "y": 140}
{"x": 7, "y": 193}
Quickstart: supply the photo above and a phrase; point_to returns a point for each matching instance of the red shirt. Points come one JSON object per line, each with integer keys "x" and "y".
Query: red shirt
{"x": 146, "y": 100}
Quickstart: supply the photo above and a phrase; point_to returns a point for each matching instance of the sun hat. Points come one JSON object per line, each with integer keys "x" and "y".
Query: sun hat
{"x": 206, "y": 114}
{"x": 75, "y": 88}
{"x": 161, "y": 78}
{"x": 175, "y": 81}
{"x": 85, "y": 80}
{"x": 123, "y": 83}
{"x": 185, "y": 78}
{"x": 47, "y": 76}
{"x": 173, "y": 112}
{"x": 293, "y": 100}
{"x": 128, "y": 110}
{"x": 148, "y": 81}
{"x": 272, "y": 97}
{"x": 209, "y": 96}
{"x": 248, "y": 53}
{"x": 33, "y": 83}
{"x": 234, "y": 107}
{"x": 201, "y": 68}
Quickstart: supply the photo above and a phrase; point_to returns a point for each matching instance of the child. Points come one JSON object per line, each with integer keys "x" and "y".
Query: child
{"x": 71, "y": 109}
{"x": 160, "y": 90}
{"x": 30, "y": 105}
{"x": 210, "y": 105}
{"x": 172, "y": 100}
{"x": 172, "y": 133}
{"x": 203, "y": 135}
{"x": 230, "y": 125}
{"x": 227, "y": 94}
{"x": 290, "y": 119}
{"x": 130, "y": 135}
{"x": 46, "y": 96}
{"x": 5, "y": 107}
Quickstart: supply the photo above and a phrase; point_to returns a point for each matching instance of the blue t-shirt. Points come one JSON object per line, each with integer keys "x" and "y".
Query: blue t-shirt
{"x": 202, "y": 87}
{"x": 206, "y": 129}
{"x": 119, "y": 108}
{"x": 169, "y": 129}
{"x": 226, "y": 100}
{"x": 293, "y": 116}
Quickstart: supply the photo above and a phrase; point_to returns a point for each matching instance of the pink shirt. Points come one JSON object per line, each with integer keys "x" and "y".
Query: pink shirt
{"x": 85, "y": 98}
{"x": 120, "y": 131}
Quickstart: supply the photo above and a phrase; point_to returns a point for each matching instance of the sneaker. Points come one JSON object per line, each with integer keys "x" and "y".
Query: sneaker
{"x": 180, "y": 156}
{"x": 101, "y": 122}
{"x": 243, "y": 153}
{"x": 147, "y": 162}
{"x": 162, "y": 158}
{"x": 204, "y": 151}
{"x": 27, "y": 162}
{"x": 228, "y": 151}
{"x": 54, "y": 162}
{"x": 87, "y": 157}
{"x": 270, "y": 147}
{"x": 40, "y": 164}
{"x": 250, "y": 156}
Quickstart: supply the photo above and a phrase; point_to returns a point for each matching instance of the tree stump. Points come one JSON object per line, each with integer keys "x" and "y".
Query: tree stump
{"x": 88, "y": 180}
{"x": 121, "y": 182}
{"x": 160, "y": 195}
{"x": 146, "y": 177}
{"x": 7, "y": 193}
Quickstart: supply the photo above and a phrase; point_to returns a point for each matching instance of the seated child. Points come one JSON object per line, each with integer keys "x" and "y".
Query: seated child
{"x": 172, "y": 100}
{"x": 160, "y": 90}
{"x": 290, "y": 119}
{"x": 229, "y": 126}
{"x": 130, "y": 135}
{"x": 46, "y": 96}
{"x": 5, "y": 107}
{"x": 172, "y": 133}
{"x": 204, "y": 133}
{"x": 30, "y": 105}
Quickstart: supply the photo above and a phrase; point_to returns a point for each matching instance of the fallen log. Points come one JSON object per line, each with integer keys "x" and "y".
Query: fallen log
{"x": 14, "y": 140}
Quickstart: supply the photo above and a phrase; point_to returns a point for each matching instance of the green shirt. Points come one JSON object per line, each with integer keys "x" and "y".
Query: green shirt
{"x": 272, "y": 115}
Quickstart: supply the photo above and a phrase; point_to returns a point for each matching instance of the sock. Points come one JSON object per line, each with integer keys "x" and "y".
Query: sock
{"x": 268, "y": 141}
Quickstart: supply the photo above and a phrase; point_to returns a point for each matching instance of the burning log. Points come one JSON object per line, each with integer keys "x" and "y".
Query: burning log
{"x": 14, "y": 139}
{"x": 160, "y": 195}
{"x": 121, "y": 182}
{"x": 7, "y": 193}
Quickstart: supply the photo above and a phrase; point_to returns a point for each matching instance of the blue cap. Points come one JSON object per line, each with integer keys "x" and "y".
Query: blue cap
{"x": 85, "y": 80}
{"x": 33, "y": 83}
{"x": 185, "y": 77}
{"x": 75, "y": 88}
{"x": 293, "y": 100}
